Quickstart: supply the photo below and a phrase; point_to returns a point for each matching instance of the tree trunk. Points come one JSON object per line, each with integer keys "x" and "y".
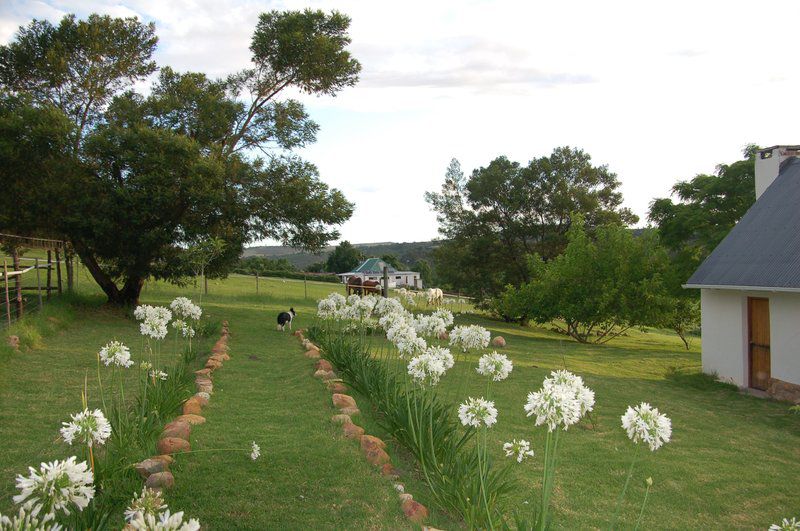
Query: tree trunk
{"x": 127, "y": 296}
{"x": 68, "y": 257}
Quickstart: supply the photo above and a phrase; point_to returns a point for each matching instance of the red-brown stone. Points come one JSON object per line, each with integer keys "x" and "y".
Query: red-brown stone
{"x": 192, "y": 407}
{"x": 377, "y": 457}
{"x": 415, "y": 511}
{"x": 177, "y": 428}
{"x": 173, "y": 445}
{"x": 340, "y": 401}
{"x": 351, "y": 431}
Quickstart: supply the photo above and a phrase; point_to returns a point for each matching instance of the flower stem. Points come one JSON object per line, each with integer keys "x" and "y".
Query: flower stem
{"x": 641, "y": 512}
{"x": 624, "y": 488}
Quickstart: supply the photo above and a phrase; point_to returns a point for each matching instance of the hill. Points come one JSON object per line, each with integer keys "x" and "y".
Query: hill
{"x": 407, "y": 252}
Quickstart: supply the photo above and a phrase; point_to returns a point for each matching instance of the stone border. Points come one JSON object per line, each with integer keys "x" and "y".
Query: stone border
{"x": 374, "y": 449}
{"x": 174, "y": 438}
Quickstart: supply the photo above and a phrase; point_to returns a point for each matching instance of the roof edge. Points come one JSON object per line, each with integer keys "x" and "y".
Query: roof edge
{"x": 742, "y": 288}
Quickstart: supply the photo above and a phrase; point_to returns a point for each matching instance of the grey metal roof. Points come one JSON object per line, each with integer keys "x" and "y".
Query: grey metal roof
{"x": 763, "y": 249}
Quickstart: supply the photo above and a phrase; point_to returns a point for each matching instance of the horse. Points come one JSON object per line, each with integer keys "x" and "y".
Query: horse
{"x": 372, "y": 286}
{"x": 435, "y": 296}
{"x": 354, "y": 285}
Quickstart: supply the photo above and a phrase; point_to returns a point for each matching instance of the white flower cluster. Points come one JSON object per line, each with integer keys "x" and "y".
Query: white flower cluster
{"x": 786, "y": 525}
{"x": 87, "y": 427}
{"x": 429, "y": 325}
{"x": 562, "y": 401}
{"x": 470, "y": 337}
{"x": 519, "y": 450}
{"x": 183, "y": 327}
{"x": 185, "y": 309}
{"x": 495, "y": 366}
{"x": 154, "y": 320}
{"x": 406, "y": 296}
{"x": 444, "y": 315}
{"x": 25, "y": 521}
{"x": 117, "y": 354}
{"x": 386, "y": 306}
{"x": 255, "y": 451}
{"x": 477, "y": 411}
{"x": 149, "y": 502}
{"x": 645, "y": 423}
{"x": 158, "y": 375}
{"x": 55, "y": 487}
{"x": 429, "y": 367}
{"x": 164, "y": 522}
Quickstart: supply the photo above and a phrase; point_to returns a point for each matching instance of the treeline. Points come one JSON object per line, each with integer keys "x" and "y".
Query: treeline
{"x": 280, "y": 268}
{"x": 550, "y": 242}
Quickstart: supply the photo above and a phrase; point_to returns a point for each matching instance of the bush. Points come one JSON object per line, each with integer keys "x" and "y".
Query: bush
{"x": 300, "y": 276}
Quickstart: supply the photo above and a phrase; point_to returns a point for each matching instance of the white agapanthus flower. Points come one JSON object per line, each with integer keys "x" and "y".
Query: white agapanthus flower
{"x": 362, "y": 308}
{"x": 495, "y": 366}
{"x": 25, "y": 521}
{"x": 145, "y": 365}
{"x": 645, "y": 423}
{"x": 326, "y": 309}
{"x": 148, "y": 502}
{"x": 409, "y": 345}
{"x": 338, "y": 299}
{"x": 183, "y": 327}
{"x": 583, "y": 394}
{"x": 393, "y": 320}
{"x": 87, "y": 427}
{"x": 117, "y": 354}
{"x": 158, "y": 375}
{"x": 470, "y": 337}
{"x": 786, "y": 525}
{"x": 562, "y": 401}
{"x": 164, "y": 522}
{"x": 255, "y": 451}
{"x": 154, "y": 320}
{"x": 56, "y": 487}
{"x": 443, "y": 354}
{"x": 186, "y": 309}
{"x": 153, "y": 328}
{"x": 426, "y": 368}
{"x": 477, "y": 411}
{"x": 386, "y": 305}
{"x": 445, "y": 315}
{"x": 429, "y": 325}
{"x": 519, "y": 450}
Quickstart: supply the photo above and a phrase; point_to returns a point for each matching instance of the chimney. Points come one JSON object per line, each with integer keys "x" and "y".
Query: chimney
{"x": 768, "y": 165}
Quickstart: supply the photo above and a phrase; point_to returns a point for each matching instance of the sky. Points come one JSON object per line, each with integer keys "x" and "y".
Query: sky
{"x": 659, "y": 92}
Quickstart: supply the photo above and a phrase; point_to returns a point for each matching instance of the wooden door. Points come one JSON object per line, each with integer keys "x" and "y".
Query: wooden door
{"x": 758, "y": 334}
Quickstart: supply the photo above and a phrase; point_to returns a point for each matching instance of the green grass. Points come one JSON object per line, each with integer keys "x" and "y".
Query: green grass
{"x": 731, "y": 464}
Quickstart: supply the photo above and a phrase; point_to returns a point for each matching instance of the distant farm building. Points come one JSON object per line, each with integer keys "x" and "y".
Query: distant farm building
{"x": 372, "y": 269}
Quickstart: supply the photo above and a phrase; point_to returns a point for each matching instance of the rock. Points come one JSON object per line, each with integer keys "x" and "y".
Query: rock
{"x": 204, "y": 388}
{"x": 444, "y": 335}
{"x": 225, "y": 356}
{"x": 340, "y": 401}
{"x": 192, "y": 419}
{"x": 320, "y": 373}
{"x": 13, "y": 342}
{"x": 350, "y": 411}
{"x": 404, "y": 497}
{"x": 370, "y": 441}
{"x": 203, "y": 380}
{"x": 341, "y": 419}
{"x": 389, "y": 471}
{"x": 173, "y": 445}
{"x": 167, "y": 459}
{"x": 312, "y": 346}
{"x": 313, "y": 354}
{"x": 149, "y": 467}
{"x": 328, "y": 376}
{"x": 337, "y": 387}
{"x": 351, "y": 431}
{"x": 297, "y": 333}
{"x": 203, "y": 372}
{"x": 399, "y": 488}
{"x": 213, "y": 364}
{"x": 323, "y": 365}
{"x": 192, "y": 407}
{"x": 415, "y": 511}
{"x": 498, "y": 341}
{"x": 377, "y": 457}
{"x": 177, "y": 428}
{"x": 202, "y": 397}
{"x": 218, "y": 358}
{"x": 160, "y": 480}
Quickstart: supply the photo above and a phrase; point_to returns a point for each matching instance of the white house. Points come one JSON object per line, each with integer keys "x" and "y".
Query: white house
{"x": 372, "y": 269}
{"x": 750, "y": 286}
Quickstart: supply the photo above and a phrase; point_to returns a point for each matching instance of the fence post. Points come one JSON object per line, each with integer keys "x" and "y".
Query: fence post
{"x": 38, "y": 283}
{"x": 8, "y": 300}
{"x": 58, "y": 271}
{"x": 49, "y": 271}
{"x": 385, "y": 281}
{"x": 305, "y": 286}
{"x": 17, "y": 282}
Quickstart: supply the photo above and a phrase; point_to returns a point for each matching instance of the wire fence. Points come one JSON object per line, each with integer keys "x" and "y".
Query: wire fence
{"x": 26, "y": 284}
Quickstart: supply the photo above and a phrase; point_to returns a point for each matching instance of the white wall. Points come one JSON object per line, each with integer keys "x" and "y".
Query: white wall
{"x": 724, "y": 325}
{"x": 724, "y": 328}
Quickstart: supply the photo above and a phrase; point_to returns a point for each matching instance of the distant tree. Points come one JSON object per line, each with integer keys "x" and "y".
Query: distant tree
{"x": 424, "y": 269}
{"x": 316, "y": 267}
{"x": 505, "y": 212}
{"x": 600, "y": 287}
{"x": 393, "y": 261}
{"x": 150, "y": 176}
{"x": 252, "y": 265}
{"x": 345, "y": 257}
{"x": 706, "y": 209}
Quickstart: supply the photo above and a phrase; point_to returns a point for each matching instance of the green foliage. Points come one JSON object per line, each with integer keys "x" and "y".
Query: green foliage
{"x": 344, "y": 258}
{"x": 600, "y": 287}
{"x": 706, "y": 209}
{"x": 505, "y": 212}
{"x": 393, "y": 261}
{"x": 140, "y": 181}
{"x": 316, "y": 267}
{"x": 425, "y": 271}
{"x": 260, "y": 264}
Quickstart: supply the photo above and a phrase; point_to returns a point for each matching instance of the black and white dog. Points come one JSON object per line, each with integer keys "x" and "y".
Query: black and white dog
{"x": 285, "y": 318}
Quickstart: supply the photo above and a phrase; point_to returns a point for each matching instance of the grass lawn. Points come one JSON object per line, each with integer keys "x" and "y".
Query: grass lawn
{"x": 731, "y": 463}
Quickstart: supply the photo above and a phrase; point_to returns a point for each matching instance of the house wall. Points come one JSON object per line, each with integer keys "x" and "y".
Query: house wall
{"x": 724, "y": 325}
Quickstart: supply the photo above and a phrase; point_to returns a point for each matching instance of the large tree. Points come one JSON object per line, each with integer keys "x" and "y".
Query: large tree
{"x": 153, "y": 177}
{"x": 704, "y": 211}
{"x": 345, "y": 257}
{"x": 505, "y": 212}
